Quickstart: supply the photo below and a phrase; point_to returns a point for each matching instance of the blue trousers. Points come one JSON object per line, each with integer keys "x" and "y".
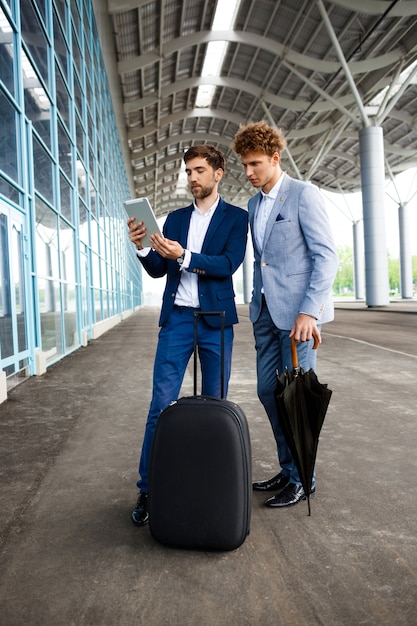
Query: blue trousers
{"x": 175, "y": 347}
{"x": 273, "y": 352}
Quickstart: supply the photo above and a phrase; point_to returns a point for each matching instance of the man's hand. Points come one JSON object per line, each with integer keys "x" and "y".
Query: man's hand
{"x": 305, "y": 328}
{"x": 137, "y": 232}
{"x": 165, "y": 247}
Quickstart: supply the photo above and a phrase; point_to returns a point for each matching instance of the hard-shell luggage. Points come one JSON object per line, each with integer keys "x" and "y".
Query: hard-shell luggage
{"x": 200, "y": 483}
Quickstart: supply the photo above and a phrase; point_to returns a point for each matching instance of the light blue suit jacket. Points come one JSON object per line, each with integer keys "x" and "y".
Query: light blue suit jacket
{"x": 298, "y": 263}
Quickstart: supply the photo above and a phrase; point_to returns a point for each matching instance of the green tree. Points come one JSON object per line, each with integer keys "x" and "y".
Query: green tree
{"x": 394, "y": 275}
{"x": 343, "y": 284}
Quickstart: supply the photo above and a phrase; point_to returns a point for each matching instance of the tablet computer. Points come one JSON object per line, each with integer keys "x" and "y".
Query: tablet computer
{"x": 141, "y": 209}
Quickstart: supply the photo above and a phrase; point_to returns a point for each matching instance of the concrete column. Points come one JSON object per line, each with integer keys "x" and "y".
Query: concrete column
{"x": 406, "y": 265}
{"x": 247, "y": 272}
{"x": 358, "y": 260}
{"x": 372, "y": 178}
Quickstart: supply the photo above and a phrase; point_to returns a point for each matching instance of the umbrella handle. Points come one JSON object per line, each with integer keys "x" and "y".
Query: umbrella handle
{"x": 294, "y": 355}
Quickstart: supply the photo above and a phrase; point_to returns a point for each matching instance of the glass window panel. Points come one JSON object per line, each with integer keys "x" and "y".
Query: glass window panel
{"x": 97, "y": 305}
{"x": 86, "y": 14}
{"x": 67, "y": 252}
{"x": 78, "y": 97}
{"x": 64, "y": 150}
{"x": 6, "y": 52}
{"x": 18, "y": 284}
{"x": 90, "y": 127}
{"x": 81, "y": 180}
{"x": 9, "y": 191}
{"x": 76, "y": 52}
{"x": 37, "y": 103}
{"x": 83, "y": 274}
{"x": 103, "y": 274}
{"x": 91, "y": 161}
{"x": 60, "y": 46}
{"x": 46, "y": 240}
{"x": 60, "y": 5}
{"x": 6, "y": 327}
{"x": 41, "y": 6}
{"x": 8, "y": 138}
{"x": 66, "y": 198}
{"x": 87, "y": 58}
{"x": 79, "y": 132}
{"x": 62, "y": 97}
{"x": 34, "y": 37}
{"x": 76, "y": 20}
{"x": 42, "y": 166}
{"x": 50, "y": 317}
{"x": 83, "y": 221}
{"x": 93, "y": 199}
{"x": 70, "y": 317}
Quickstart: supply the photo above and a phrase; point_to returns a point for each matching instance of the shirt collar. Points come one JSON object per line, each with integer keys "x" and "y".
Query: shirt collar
{"x": 211, "y": 209}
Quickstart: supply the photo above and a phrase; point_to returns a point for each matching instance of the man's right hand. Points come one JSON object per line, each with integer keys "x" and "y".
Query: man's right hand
{"x": 137, "y": 231}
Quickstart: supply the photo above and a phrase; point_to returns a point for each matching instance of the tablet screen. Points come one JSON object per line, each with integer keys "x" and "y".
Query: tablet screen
{"x": 141, "y": 209}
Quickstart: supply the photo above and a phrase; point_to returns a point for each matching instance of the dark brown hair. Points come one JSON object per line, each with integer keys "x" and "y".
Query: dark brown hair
{"x": 213, "y": 156}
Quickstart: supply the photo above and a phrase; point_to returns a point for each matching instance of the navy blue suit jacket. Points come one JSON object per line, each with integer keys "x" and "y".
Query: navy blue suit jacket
{"x": 222, "y": 252}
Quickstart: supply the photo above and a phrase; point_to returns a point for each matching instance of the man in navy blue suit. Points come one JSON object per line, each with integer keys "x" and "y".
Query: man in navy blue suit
{"x": 201, "y": 247}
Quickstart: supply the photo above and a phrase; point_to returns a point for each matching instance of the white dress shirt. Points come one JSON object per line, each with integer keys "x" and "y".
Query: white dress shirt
{"x": 263, "y": 212}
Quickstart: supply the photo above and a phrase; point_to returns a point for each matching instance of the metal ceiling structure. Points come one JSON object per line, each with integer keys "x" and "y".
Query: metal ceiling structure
{"x": 312, "y": 67}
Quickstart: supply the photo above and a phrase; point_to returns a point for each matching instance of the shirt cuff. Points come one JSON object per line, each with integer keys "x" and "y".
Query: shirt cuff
{"x": 142, "y": 253}
{"x": 187, "y": 260}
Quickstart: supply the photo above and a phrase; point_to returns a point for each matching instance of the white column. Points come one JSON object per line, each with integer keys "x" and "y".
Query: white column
{"x": 247, "y": 270}
{"x": 358, "y": 260}
{"x": 372, "y": 177}
{"x": 406, "y": 266}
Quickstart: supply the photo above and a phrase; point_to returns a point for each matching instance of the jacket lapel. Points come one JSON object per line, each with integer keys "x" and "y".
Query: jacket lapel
{"x": 215, "y": 221}
{"x": 185, "y": 225}
{"x": 278, "y": 204}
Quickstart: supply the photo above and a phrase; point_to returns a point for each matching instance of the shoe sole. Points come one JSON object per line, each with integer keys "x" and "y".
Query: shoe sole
{"x": 281, "y": 506}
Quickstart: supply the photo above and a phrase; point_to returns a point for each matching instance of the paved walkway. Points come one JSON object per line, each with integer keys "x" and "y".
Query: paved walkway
{"x": 69, "y": 445}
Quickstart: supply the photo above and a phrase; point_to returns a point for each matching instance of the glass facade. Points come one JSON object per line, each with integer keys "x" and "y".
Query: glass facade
{"x": 65, "y": 259}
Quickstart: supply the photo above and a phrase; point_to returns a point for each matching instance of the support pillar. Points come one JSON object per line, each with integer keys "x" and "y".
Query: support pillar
{"x": 358, "y": 260}
{"x": 406, "y": 266}
{"x": 247, "y": 271}
{"x": 372, "y": 178}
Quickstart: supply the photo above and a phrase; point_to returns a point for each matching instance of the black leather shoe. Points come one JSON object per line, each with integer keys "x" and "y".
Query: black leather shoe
{"x": 273, "y": 484}
{"x": 292, "y": 494}
{"x": 140, "y": 515}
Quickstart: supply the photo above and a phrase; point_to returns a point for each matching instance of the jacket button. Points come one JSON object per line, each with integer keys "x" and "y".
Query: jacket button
{"x": 264, "y": 264}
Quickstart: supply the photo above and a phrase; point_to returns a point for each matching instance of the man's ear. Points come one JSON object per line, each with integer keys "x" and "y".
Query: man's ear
{"x": 218, "y": 175}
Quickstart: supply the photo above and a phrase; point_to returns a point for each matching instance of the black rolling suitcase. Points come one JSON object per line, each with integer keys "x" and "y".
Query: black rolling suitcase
{"x": 200, "y": 471}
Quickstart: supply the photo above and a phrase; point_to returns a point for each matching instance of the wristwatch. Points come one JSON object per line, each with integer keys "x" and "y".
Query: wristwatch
{"x": 181, "y": 258}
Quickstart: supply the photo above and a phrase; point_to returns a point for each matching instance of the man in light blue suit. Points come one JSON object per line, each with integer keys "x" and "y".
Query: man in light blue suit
{"x": 295, "y": 265}
{"x": 202, "y": 246}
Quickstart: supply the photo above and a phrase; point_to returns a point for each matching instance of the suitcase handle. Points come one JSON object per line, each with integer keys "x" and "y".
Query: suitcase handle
{"x": 222, "y": 316}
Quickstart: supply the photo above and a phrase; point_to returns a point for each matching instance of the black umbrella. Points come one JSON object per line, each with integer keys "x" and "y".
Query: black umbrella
{"x": 302, "y": 403}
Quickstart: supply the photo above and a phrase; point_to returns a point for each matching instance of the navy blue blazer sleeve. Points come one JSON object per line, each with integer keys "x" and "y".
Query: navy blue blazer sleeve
{"x": 222, "y": 253}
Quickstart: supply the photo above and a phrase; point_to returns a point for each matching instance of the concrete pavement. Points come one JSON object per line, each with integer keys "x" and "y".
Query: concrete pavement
{"x": 70, "y": 441}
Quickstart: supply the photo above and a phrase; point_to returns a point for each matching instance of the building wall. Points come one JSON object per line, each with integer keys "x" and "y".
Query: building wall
{"x": 67, "y": 269}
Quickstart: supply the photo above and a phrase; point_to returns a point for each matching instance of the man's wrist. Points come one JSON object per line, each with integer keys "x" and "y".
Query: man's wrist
{"x": 180, "y": 259}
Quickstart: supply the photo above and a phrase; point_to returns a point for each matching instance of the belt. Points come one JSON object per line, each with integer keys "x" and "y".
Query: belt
{"x": 178, "y": 307}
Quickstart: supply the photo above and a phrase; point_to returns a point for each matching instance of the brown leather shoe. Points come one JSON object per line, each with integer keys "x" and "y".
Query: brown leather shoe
{"x": 273, "y": 484}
